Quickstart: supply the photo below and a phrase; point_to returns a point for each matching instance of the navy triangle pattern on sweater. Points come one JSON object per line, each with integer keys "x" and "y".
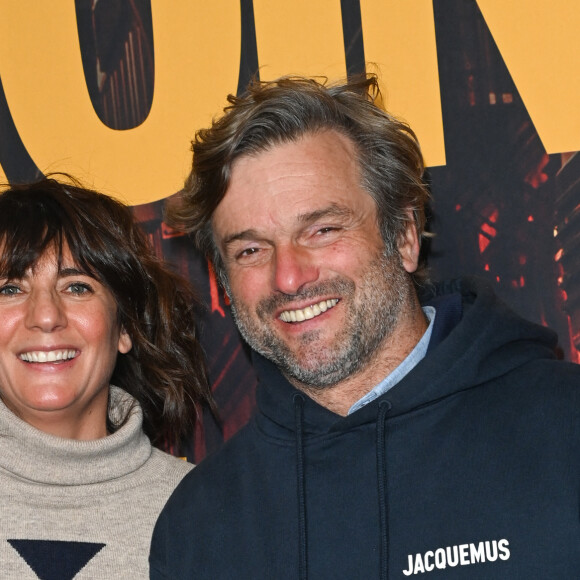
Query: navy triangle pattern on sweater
{"x": 56, "y": 560}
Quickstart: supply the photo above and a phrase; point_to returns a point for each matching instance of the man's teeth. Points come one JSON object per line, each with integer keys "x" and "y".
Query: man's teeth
{"x": 41, "y": 356}
{"x": 308, "y": 312}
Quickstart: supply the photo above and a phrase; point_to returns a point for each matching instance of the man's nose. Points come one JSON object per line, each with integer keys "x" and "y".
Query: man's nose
{"x": 294, "y": 268}
{"x": 45, "y": 311}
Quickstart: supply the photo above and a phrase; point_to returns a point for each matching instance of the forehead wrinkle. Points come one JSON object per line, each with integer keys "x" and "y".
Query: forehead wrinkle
{"x": 249, "y": 234}
{"x": 333, "y": 210}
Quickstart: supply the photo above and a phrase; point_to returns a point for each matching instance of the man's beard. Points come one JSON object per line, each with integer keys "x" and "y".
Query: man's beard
{"x": 369, "y": 319}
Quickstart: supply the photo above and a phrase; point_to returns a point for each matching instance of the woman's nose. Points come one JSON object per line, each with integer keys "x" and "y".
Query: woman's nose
{"x": 45, "y": 311}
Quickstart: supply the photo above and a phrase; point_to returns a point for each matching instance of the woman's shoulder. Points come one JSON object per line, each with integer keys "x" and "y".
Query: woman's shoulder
{"x": 173, "y": 467}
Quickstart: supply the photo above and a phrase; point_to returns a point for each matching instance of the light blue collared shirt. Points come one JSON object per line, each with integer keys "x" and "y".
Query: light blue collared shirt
{"x": 412, "y": 360}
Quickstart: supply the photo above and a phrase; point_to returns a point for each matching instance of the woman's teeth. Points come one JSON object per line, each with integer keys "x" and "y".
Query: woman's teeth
{"x": 41, "y": 356}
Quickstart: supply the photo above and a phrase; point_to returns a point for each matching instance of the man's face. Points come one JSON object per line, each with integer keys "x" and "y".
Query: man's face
{"x": 311, "y": 287}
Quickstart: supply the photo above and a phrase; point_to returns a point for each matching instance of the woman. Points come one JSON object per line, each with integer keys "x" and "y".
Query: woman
{"x": 85, "y": 305}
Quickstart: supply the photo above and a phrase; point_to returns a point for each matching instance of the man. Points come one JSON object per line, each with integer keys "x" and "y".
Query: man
{"x": 394, "y": 436}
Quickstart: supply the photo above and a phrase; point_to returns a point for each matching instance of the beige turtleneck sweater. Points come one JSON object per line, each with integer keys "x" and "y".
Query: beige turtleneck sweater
{"x": 80, "y": 509}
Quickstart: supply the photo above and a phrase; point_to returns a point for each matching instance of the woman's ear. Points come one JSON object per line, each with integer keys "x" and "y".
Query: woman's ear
{"x": 125, "y": 342}
{"x": 409, "y": 245}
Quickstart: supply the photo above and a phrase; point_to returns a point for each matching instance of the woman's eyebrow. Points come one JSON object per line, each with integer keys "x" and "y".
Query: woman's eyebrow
{"x": 64, "y": 272}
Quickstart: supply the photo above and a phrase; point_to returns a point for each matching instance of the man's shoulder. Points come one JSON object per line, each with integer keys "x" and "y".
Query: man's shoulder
{"x": 553, "y": 373}
{"x": 540, "y": 380}
{"x": 242, "y": 441}
{"x": 220, "y": 466}
{"x": 563, "y": 383}
{"x": 546, "y": 389}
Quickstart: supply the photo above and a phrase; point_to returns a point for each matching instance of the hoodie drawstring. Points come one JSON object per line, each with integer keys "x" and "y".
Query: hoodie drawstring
{"x": 301, "y": 488}
{"x": 381, "y": 446}
{"x": 384, "y": 408}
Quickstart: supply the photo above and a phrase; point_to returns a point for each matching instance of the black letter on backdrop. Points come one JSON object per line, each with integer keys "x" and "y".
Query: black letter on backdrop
{"x": 249, "y": 52}
{"x": 354, "y": 48}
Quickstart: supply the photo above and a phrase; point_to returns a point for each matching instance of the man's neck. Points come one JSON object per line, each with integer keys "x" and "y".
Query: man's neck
{"x": 340, "y": 397}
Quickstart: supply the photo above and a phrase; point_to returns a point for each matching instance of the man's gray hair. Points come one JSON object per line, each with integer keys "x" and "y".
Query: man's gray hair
{"x": 284, "y": 110}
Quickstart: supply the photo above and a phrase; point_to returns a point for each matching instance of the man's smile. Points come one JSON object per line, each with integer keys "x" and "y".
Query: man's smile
{"x": 309, "y": 312}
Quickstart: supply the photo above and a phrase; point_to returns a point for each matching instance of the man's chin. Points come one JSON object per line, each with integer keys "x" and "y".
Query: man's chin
{"x": 314, "y": 374}
{"x": 308, "y": 360}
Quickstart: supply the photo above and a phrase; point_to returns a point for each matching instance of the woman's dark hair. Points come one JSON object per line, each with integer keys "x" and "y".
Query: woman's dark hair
{"x": 165, "y": 369}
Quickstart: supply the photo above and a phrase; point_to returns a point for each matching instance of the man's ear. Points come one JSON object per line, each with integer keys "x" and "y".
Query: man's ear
{"x": 409, "y": 245}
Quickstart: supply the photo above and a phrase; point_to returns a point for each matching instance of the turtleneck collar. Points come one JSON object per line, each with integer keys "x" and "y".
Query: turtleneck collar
{"x": 39, "y": 457}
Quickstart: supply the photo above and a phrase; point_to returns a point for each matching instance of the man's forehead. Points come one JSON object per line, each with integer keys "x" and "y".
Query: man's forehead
{"x": 316, "y": 165}
{"x": 297, "y": 181}
{"x": 321, "y": 146}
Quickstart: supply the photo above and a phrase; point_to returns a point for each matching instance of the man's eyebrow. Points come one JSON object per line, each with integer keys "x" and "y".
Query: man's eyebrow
{"x": 332, "y": 210}
{"x": 249, "y": 234}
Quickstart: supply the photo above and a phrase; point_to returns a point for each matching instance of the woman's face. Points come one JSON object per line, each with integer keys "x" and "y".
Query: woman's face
{"x": 59, "y": 339}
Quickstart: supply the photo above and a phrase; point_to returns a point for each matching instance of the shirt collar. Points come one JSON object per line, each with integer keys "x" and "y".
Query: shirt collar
{"x": 406, "y": 366}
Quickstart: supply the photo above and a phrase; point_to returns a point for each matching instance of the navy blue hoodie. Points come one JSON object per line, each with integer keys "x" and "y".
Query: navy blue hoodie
{"x": 468, "y": 468}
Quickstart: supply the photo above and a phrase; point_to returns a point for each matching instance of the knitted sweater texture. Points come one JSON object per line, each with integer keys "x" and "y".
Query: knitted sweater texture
{"x": 80, "y": 509}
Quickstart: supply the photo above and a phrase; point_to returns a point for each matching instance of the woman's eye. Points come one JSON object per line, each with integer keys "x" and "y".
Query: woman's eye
{"x": 79, "y": 288}
{"x": 9, "y": 290}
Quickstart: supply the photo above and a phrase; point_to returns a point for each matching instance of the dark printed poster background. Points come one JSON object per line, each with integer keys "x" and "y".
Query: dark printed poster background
{"x": 498, "y": 201}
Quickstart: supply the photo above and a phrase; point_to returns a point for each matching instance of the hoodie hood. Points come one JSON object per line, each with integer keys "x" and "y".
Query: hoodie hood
{"x": 489, "y": 341}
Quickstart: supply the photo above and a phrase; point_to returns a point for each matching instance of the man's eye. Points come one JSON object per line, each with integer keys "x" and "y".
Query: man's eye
{"x": 248, "y": 252}
{"x": 10, "y": 290}
{"x": 326, "y": 230}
